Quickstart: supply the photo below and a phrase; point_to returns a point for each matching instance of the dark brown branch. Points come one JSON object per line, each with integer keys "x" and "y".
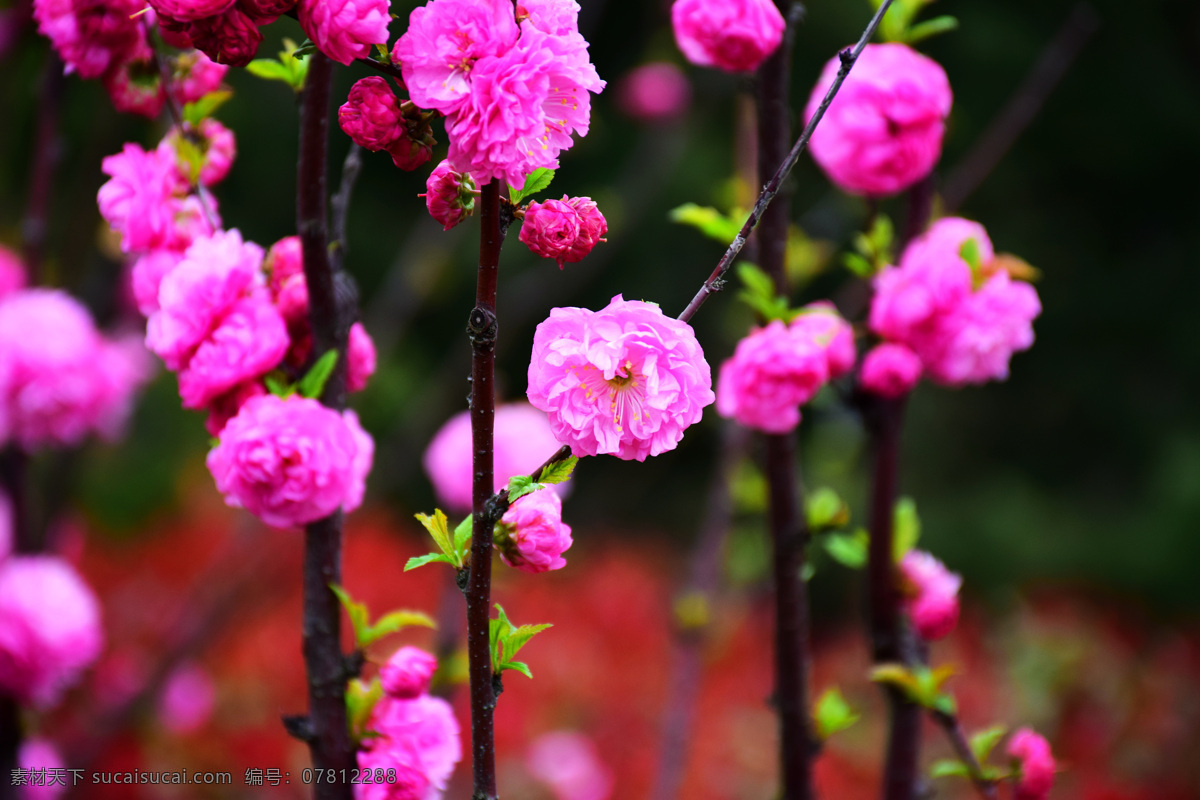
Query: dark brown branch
{"x": 716, "y": 280}
{"x": 958, "y": 740}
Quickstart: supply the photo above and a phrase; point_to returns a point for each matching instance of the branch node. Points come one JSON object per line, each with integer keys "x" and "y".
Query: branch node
{"x": 299, "y": 726}
{"x": 352, "y": 664}
{"x": 481, "y": 328}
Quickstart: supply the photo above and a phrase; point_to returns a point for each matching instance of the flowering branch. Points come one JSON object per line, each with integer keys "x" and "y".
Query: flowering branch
{"x": 958, "y": 739}
{"x": 716, "y": 280}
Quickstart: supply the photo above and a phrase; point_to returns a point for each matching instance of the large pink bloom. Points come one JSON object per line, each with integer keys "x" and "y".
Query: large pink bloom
{"x": 733, "y": 35}
{"x": 773, "y": 371}
{"x": 883, "y": 131}
{"x": 345, "y": 29}
{"x": 145, "y": 201}
{"x": 420, "y": 739}
{"x": 625, "y": 381}
{"x": 90, "y": 35}
{"x": 535, "y": 535}
{"x": 931, "y": 600}
{"x": 249, "y": 341}
{"x": 49, "y": 628}
{"x": 1036, "y": 764}
{"x": 825, "y": 327}
{"x": 291, "y": 462}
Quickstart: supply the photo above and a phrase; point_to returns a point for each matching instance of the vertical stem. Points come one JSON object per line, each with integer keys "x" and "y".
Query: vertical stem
{"x": 481, "y": 327}
{"x": 41, "y": 176}
{"x": 331, "y": 306}
{"x": 890, "y": 640}
{"x": 10, "y": 744}
{"x": 788, "y": 528}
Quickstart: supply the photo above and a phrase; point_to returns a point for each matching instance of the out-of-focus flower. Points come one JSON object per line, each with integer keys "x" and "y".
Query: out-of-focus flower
{"x": 1035, "y": 765}
{"x": 12, "y": 272}
{"x": 890, "y": 370}
{"x": 532, "y": 536}
{"x": 228, "y": 38}
{"x": 419, "y": 738}
{"x": 190, "y": 10}
{"x": 407, "y": 673}
{"x": 36, "y": 756}
{"x": 654, "y": 92}
{"x": 733, "y": 35}
{"x": 931, "y": 596}
{"x": 213, "y": 148}
{"x": 567, "y": 762}
{"x": 195, "y": 76}
{"x": 773, "y": 372}
{"x": 187, "y": 699}
{"x": 90, "y": 35}
{"x": 360, "y": 358}
{"x": 824, "y": 326}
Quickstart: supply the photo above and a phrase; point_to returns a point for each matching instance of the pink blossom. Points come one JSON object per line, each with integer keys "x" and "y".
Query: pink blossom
{"x": 413, "y": 147}
{"x": 976, "y": 343}
{"x": 360, "y": 358}
{"x": 625, "y": 380}
{"x": 134, "y": 85}
{"x": 49, "y": 628}
{"x": 890, "y": 370}
{"x": 407, "y": 673}
{"x": 592, "y": 227}
{"x": 821, "y": 322}
{"x": 444, "y": 40}
{"x": 228, "y": 38}
{"x": 264, "y": 12}
{"x": 550, "y": 229}
{"x": 360, "y": 467}
{"x": 195, "y": 76}
{"x": 418, "y": 736}
{"x": 38, "y": 756}
{"x": 290, "y": 462}
{"x": 215, "y": 145}
{"x": 371, "y": 115}
{"x": 449, "y": 195}
{"x": 534, "y": 537}
{"x": 523, "y": 440}
{"x": 1035, "y": 765}
{"x": 224, "y": 408}
{"x": 147, "y": 275}
{"x": 654, "y": 92}
{"x": 556, "y": 17}
{"x": 90, "y": 35}
{"x": 249, "y": 341}
{"x": 931, "y": 599}
{"x": 568, "y": 763}
{"x": 944, "y": 241}
{"x": 123, "y": 366}
{"x": 285, "y": 259}
{"x": 12, "y": 272}
{"x": 187, "y": 699}
{"x": 143, "y": 200}
{"x": 733, "y": 35}
{"x": 773, "y": 371}
{"x": 190, "y": 10}
{"x": 883, "y": 131}
{"x": 345, "y": 29}
{"x": 215, "y": 272}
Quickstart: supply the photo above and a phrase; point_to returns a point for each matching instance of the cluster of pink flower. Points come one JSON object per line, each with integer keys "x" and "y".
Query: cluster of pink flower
{"x": 930, "y": 594}
{"x": 733, "y": 35}
{"x": 957, "y": 321}
{"x": 778, "y": 368}
{"x": 106, "y": 39}
{"x": 413, "y": 733}
{"x": 60, "y": 379}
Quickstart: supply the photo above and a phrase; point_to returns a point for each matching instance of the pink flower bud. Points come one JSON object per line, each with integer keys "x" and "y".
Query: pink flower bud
{"x": 407, "y": 673}
{"x": 414, "y": 146}
{"x": 654, "y": 92}
{"x": 264, "y": 12}
{"x": 283, "y": 260}
{"x": 345, "y": 29}
{"x": 532, "y": 536}
{"x": 449, "y": 195}
{"x": 733, "y": 35}
{"x": 1035, "y": 765}
{"x": 371, "y": 114}
{"x": 134, "y": 85}
{"x": 360, "y": 358}
{"x": 773, "y": 371}
{"x": 190, "y": 10}
{"x": 196, "y": 75}
{"x": 230, "y": 38}
{"x": 931, "y": 596}
{"x": 592, "y": 227}
{"x": 890, "y": 370}
{"x": 550, "y": 229}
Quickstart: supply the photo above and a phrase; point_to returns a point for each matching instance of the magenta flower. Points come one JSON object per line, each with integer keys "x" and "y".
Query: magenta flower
{"x": 217, "y": 148}
{"x": 655, "y": 92}
{"x": 883, "y": 131}
{"x": 773, "y": 371}
{"x": 39, "y": 754}
{"x": 568, "y": 763}
{"x": 449, "y": 195}
{"x": 592, "y": 227}
{"x": 249, "y": 341}
{"x": 187, "y": 699}
{"x": 890, "y": 370}
{"x": 224, "y": 408}
{"x": 821, "y": 323}
{"x": 12, "y": 272}
{"x": 49, "y": 628}
{"x": 407, "y": 673}
{"x": 264, "y": 12}
{"x": 133, "y": 85}
{"x": 550, "y": 229}
{"x": 532, "y": 536}
{"x": 420, "y": 739}
{"x": 1035, "y": 765}
{"x": 625, "y": 381}
{"x": 6, "y": 526}
{"x": 371, "y": 115}
{"x": 143, "y": 201}
{"x": 555, "y": 17}
{"x": 229, "y": 38}
{"x": 190, "y": 10}
{"x": 733, "y": 35}
{"x": 147, "y": 274}
{"x": 360, "y": 358}
{"x": 931, "y": 596}
{"x": 90, "y": 35}
{"x": 284, "y": 260}
{"x": 195, "y": 76}
{"x": 291, "y": 462}
{"x": 345, "y": 29}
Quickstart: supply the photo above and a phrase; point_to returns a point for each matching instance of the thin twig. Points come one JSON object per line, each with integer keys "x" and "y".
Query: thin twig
{"x": 958, "y": 740}
{"x": 351, "y": 167}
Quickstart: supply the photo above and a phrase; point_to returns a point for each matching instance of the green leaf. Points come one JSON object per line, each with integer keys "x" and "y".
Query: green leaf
{"x": 970, "y": 254}
{"x": 520, "y": 637}
{"x": 392, "y": 622}
{"x": 506, "y": 641}
{"x": 709, "y": 221}
{"x": 759, "y": 293}
{"x": 462, "y": 538}
{"x": 521, "y": 485}
{"x": 437, "y": 527}
{"x": 305, "y": 48}
{"x": 559, "y": 471}
{"x": 984, "y": 742}
{"x": 535, "y": 182}
{"x": 833, "y": 713}
{"x": 277, "y": 386}
{"x": 191, "y": 154}
{"x": 949, "y": 768}
{"x": 930, "y": 28}
{"x": 748, "y": 488}
{"x": 858, "y": 265}
{"x": 519, "y": 666}
{"x": 420, "y": 561}
{"x": 848, "y": 549}
{"x": 825, "y": 510}
{"x": 361, "y": 698}
{"x": 313, "y": 382}
{"x": 357, "y": 612}
{"x": 202, "y": 109}
{"x": 270, "y": 69}
{"x": 906, "y": 527}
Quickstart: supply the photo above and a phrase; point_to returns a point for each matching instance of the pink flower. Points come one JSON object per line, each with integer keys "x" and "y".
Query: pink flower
{"x": 821, "y": 322}
{"x": 418, "y": 737}
{"x": 371, "y": 116}
{"x": 264, "y": 12}
{"x": 883, "y": 131}
{"x": 196, "y": 75}
{"x": 215, "y": 145}
{"x": 414, "y": 146}
{"x": 567, "y": 762}
{"x": 931, "y": 600}
{"x": 345, "y": 29}
{"x": 733, "y": 35}
{"x": 134, "y": 85}
{"x": 550, "y": 229}
{"x": 534, "y": 536}
{"x": 148, "y": 272}
{"x": 890, "y": 370}
{"x": 625, "y": 380}
{"x": 122, "y": 367}
{"x": 187, "y": 699}
{"x": 407, "y": 673}
{"x": 290, "y": 462}
{"x": 190, "y": 10}
{"x": 90, "y": 35}
{"x": 944, "y": 241}
{"x": 49, "y": 628}
{"x": 1035, "y": 763}
{"x": 285, "y": 259}
{"x": 224, "y": 408}
{"x": 556, "y": 17}
{"x": 592, "y": 227}
{"x": 12, "y": 272}
{"x": 249, "y": 341}
{"x": 143, "y": 200}
{"x": 38, "y": 756}
{"x": 523, "y": 440}
{"x": 360, "y": 358}
{"x": 654, "y": 92}
{"x": 449, "y": 195}
{"x": 229, "y": 38}
{"x": 444, "y": 40}
{"x": 773, "y": 371}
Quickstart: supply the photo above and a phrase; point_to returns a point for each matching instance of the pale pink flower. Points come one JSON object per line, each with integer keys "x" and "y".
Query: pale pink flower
{"x": 360, "y": 358}
{"x": 407, "y": 673}
{"x": 733, "y": 35}
{"x": 931, "y": 594}
{"x": 1035, "y": 765}
{"x": 290, "y": 462}
{"x": 625, "y": 381}
{"x": 890, "y": 370}
{"x": 147, "y": 274}
{"x": 38, "y": 757}
{"x": 195, "y": 76}
{"x": 345, "y": 29}
{"x": 654, "y": 92}
{"x": 190, "y": 10}
{"x": 568, "y": 763}
{"x": 821, "y": 322}
{"x": 444, "y": 40}
{"x": 419, "y": 735}
{"x": 534, "y": 537}
{"x": 49, "y": 628}
{"x": 523, "y": 440}
{"x": 773, "y": 371}
{"x": 371, "y": 115}
{"x": 449, "y": 195}
{"x": 883, "y": 131}
{"x": 90, "y": 35}
{"x": 143, "y": 199}
{"x": 229, "y": 38}
{"x": 249, "y": 341}
{"x": 12, "y": 272}
{"x": 224, "y": 408}
{"x": 187, "y": 699}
